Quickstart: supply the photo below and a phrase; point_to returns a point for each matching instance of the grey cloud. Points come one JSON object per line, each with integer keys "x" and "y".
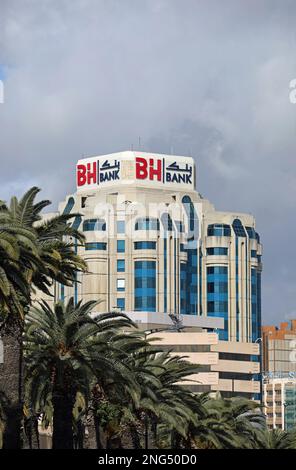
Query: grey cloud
{"x": 209, "y": 78}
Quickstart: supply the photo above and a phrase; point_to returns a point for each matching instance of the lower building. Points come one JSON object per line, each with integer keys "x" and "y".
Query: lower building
{"x": 229, "y": 367}
{"x": 279, "y": 399}
{"x": 279, "y": 347}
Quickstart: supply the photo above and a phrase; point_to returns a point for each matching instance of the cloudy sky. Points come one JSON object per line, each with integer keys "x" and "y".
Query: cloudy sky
{"x": 208, "y": 78}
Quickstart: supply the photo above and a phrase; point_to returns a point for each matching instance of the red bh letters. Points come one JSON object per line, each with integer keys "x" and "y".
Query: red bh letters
{"x": 142, "y": 170}
{"x": 86, "y": 174}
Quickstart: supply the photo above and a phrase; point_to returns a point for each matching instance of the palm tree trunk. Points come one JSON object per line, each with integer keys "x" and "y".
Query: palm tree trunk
{"x": 135, "y": 436}
{"x": 32, "y": 433}
{"x": 11, "y": 376}
{"x": 62, "y": 437}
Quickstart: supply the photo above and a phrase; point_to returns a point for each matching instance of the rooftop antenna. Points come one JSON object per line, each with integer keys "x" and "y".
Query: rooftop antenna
{"x": 139, "y": 142}
{"x": 132, "y": 147}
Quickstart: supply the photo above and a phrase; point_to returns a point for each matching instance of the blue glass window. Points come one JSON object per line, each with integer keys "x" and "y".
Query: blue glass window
{"x": 147, "y": 223}
{"x": 77, "y": 222}
{"x": 145, "y": 286}
{"x": 253, "y": 253}
{"x": 120, "y": 226}
{"x": 121, "y": 303}
{"x": 217, "y": 270}
{"x": 120, "y": 265}
{"x": 238, "y": 228}
{"x": 145, "y": 245}
{"x": 217, "y": 287}
{"x": 69, "y": 205}
{"x": 251, "y": 232}
{"x": 219, "y": 230}
{"x": 217, "y": 296}
{"x": 120, "y": 246}
{"x": 167, "y": 222}
{"x": 217, "y": 251}
{"x": 94, "y": 224}
{"x": 96, "y": 246}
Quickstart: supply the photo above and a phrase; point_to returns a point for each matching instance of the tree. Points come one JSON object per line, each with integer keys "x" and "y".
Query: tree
{"x": 67, "y": 351}
{"x": 34, "y": 254}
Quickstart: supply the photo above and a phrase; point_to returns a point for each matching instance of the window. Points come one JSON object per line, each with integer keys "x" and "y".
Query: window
{"x": 120, "y": 285}
{"x": 251, "y": 233}
{"x": 217, "y": 306}
{"x": 238, "y": 228}
{"x": 120, "y": 265}
{"x": 145, "y": 245}
{"x": 94, "y": 224}
{"x": 217, "y": 251}
{"x": 219, "y": 230}
{"x": 120, "y": 226}
{"x": 96, "y": 246}
{"x": 120, "y": 246}
{"x": 217, "y": 287}
{"x": 147, "y": 223}
{"x": 217, "y": 270}
{"x": 145, "y": 286}
{"x": 69, "y": 205}
{"x": 121, "y": 303}
{"x": 253, "y": 253}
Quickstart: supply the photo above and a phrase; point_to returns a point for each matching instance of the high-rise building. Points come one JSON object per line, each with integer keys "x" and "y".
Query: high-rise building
{"x": 154, "y": 244}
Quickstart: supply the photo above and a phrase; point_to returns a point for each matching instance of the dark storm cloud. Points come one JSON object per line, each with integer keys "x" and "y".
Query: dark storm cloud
{"x": 208, "y": 78}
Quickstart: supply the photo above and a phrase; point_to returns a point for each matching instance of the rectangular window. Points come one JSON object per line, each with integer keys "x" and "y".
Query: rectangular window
{"x": 120, "y": 265}
{"x": 145, "y": 245}
{"x": 96, "y": 246}
{"x": 217, "y": 251}
{"x": 120, "y": 226}
{"x": 120, "y": 246}
{"x": 121, "y": 303}
{"x": 217, "y": 270}
{"x": 253, "y": 253}
{"x": 145, "y": 286}
{"x": 120, "y": 285}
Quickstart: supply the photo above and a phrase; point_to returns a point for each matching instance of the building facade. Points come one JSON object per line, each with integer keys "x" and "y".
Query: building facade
{"x": 229, "y": 367}
{"x": 154, "y": 244}
{"x": 279, "y": 399}
{"x": 279, "y": 346}
{"x": 279, "y": 374}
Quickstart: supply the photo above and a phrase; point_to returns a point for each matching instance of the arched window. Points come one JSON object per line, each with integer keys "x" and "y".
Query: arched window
{"x": 238, "y": 228}
{"x": 69, "y": 206}
{"x": 192, "y": 217}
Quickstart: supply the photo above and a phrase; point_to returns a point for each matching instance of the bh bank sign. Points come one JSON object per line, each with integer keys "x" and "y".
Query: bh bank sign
{"x": 139, "y": 168}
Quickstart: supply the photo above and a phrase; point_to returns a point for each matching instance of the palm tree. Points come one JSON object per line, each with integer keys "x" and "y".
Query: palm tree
{"x": 161, "y": 398}
{"x": 277, "y": 439}
{"x": 67, "y": 351}
{"x": 35, "y": 255}
{"x": 229, "y": 424}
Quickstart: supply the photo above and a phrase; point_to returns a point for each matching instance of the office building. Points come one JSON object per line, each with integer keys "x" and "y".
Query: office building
{"x": 154, "y": 244}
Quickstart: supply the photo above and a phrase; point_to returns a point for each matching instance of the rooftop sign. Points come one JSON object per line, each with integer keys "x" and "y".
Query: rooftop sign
{"x": 143, "y": 169}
